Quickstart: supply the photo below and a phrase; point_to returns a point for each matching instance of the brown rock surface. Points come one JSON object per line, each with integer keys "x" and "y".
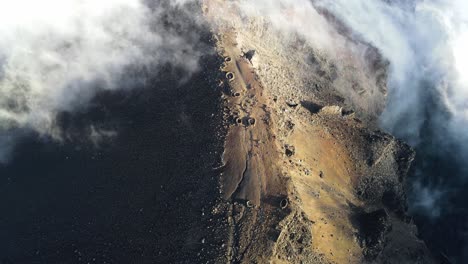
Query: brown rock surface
{"x": 304, "y": 179}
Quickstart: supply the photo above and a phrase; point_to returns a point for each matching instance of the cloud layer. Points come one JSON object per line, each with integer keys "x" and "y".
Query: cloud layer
{"x": 55, "y": 55}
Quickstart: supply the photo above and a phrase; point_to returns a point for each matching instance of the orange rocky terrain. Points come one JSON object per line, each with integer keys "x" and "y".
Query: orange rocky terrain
{"x": 306, "y": 177}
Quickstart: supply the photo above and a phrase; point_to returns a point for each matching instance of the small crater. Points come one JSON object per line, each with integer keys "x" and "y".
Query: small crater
{"x": 227, "y": 59}
{"x": 252, "y": 121}
{"x": 230, "y": 76}
{"x": 284, "y": 203}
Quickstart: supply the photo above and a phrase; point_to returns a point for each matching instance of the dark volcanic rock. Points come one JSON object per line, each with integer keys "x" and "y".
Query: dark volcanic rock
{"x": 373, "y": 227}
{"x": 144, "y": 198}
{"x": 389, "y": 161}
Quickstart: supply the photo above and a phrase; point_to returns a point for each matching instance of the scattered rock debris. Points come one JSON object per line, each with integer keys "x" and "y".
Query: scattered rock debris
{"x": 249, "y": 55}
{"x": 292, "y": 104}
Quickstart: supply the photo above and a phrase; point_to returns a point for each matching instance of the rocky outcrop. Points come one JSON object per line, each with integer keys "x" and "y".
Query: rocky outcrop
{"x": 307, "y": 177}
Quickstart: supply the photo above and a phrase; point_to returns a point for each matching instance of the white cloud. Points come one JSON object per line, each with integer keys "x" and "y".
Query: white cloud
{"x": 55, "y": 55}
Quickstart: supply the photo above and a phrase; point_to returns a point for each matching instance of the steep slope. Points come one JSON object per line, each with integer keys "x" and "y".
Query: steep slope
{"x": 305, "y": 178}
